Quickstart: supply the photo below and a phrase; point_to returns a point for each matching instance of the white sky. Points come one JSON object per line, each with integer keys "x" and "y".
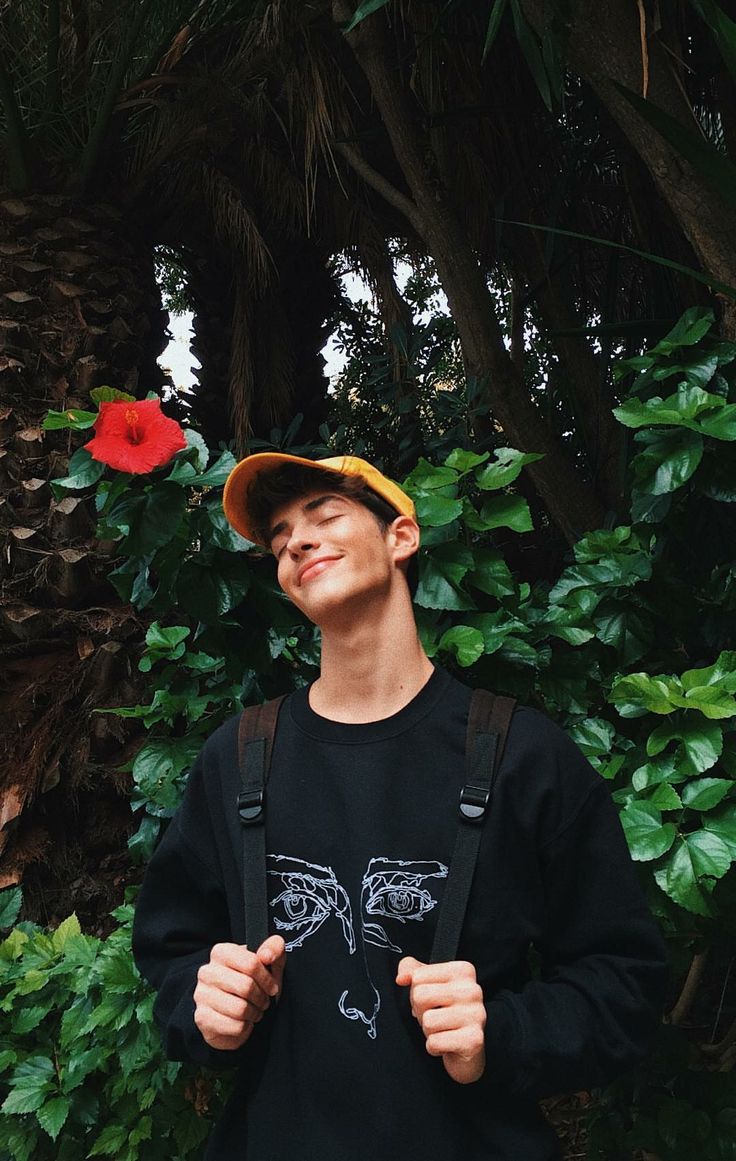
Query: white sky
{"x": 178, "y": 359}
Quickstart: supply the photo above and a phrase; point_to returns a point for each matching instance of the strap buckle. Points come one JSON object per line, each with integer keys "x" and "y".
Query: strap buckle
{"x": 250, "y": 806}
{"x": 474, "y": 802}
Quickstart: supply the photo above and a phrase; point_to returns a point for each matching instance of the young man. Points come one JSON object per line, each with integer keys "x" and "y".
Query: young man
{"x": 349, "y": 1044}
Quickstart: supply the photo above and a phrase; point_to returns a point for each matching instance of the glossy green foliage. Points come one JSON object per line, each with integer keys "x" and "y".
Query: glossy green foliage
{"x": 82, "y": 1071}
{"x": 630, "y": 648}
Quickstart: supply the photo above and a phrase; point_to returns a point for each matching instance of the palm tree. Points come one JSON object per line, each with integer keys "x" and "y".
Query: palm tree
{"x": 117, "y": 120}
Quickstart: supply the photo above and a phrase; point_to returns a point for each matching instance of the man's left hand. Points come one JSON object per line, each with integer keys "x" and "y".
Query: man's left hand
{"x": 447, "y": 1000}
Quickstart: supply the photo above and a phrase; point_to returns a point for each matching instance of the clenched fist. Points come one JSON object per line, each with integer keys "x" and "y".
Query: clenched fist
{"x": 447, "y": 1000}
{"x": 235, "y": 989}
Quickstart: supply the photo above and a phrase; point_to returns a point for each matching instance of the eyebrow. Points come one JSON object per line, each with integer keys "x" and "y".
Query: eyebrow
{"x": 310, "y": 506}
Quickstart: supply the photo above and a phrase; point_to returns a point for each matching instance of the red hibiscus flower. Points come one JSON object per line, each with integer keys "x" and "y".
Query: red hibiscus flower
{"x": 135, "y": 437}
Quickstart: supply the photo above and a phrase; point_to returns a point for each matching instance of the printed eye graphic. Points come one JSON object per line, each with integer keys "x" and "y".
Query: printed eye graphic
{"x": 299, "y": 911}
{"x": 306, "y": 894}
{"x": 400, "y": 902}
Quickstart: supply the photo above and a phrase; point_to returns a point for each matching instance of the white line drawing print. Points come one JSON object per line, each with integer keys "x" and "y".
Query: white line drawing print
{"x": 394, "y": 889}
{"x": 308, "y": 893}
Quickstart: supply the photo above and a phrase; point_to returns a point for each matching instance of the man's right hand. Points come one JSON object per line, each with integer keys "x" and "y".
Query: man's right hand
{"x": 235, "y": 989}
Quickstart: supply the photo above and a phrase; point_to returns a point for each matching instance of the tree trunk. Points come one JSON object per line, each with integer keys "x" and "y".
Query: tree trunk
{"x": 79, "y": 308}
{"x": 570, "y": 501}
{"x": 604, "y": 47}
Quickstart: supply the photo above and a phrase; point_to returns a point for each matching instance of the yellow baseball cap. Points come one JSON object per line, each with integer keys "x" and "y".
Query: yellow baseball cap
{"x": 235, "y": 495}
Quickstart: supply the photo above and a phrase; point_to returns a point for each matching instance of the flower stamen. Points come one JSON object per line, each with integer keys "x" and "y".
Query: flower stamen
{"x": 131, "y": 418}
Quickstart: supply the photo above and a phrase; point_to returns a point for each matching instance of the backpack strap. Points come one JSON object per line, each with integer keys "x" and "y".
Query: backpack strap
{"x": 256, "y": 731}
{"x": 488, "y": 724}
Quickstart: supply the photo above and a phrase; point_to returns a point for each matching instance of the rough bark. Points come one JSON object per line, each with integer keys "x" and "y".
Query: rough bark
{"x": 571, "y": 501}
{"x": 79, "y": 308}
{"x": 604, "y": 48}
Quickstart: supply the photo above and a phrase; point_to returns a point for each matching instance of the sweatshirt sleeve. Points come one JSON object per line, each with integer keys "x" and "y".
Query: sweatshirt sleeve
{"x": 180, "y": 914}
{"x": 596, "y": 1002}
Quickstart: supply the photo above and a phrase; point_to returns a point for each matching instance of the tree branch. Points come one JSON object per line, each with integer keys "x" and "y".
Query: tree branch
{"x": 689, "y": 988}
{"x": 380, "y": 184}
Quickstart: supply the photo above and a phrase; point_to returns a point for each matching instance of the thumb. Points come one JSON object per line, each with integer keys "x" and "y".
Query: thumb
{"x": 407, "y": 966}
{"x": 272, "y": 954}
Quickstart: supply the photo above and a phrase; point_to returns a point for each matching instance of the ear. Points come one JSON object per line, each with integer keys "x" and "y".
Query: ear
{"x": 404, "y": 534}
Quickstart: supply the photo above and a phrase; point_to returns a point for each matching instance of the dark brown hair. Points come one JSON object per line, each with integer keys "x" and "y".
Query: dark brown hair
{"x": 270, "y": 490}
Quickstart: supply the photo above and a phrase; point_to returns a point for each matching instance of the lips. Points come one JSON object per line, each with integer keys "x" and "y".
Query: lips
{"x": 312, "y": 568}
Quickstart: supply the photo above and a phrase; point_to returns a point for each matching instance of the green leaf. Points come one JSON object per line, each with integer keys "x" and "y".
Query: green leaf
{"x": 119, "y": 973}
{"x": 73, "y": 418}
{"x": 464, "y": 461}
{"x": 624, "y": 630}
{"x": 507, "y": 512}
{"x": 53, "y": 1114}
{"x": 665, "y": 797}
{"x": 427, "y": 477}
{"x": 464, "y": 643}
{"x": 685, "y": 408}
{"x": 721, "y": 672}
{"x": 64, "y": 932}
{"x": 710, "y": 855}
{"x": 183, "y": 472}
{"x": 157, "y": 767}
{"x": 624, "y": 571}
{"x": 494, "y": 23}
{"x": 110, "y": 395}
{"x": 82, "y": 473}
{"x": 11, "y": 901}
{"x": 164, "y": 639}
{"x": 216, "y": 475}
{"x": 720, "y": 425}
{"x": 207, "y": 592}
{"x": 669, "y": 461}
{"x": 434, "y": 510}
{"x": 196, "y": 443}
{"x": 220, "y": 532}
{"x": 157, "y": 520}
{"x": 705, "y": 793}
{"x": 111, "y": 1014}
{"x": 702, "y": 742}
{"x": 638, "y": 693}
{"x": 491, "y": 574}
{"x": 363, "y": 10}
{"x": 648, "y": 837}
{"x": 710, "y": 700}
{"x": 678, "y": 879}
{"x": 700, "y": 856}
{"x": 530, "y": 48}
{"x": 30, "y": 1083}
{"x": 505, "y": 468}
{"x": 111, "y": 1140}
{"x": 593, "y": 736}
{"x": 723, "y": 825}
{"x": 440, "y": 576}
{"x": 654, "y": 773}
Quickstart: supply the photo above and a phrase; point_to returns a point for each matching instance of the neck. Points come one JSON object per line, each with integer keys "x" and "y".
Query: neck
{"x": 372, "y": 665}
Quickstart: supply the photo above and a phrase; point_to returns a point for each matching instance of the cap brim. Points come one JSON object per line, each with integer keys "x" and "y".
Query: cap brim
{"x": 235, "y": 494}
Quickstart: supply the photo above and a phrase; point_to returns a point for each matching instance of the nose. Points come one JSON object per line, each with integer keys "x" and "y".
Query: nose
{"x": 303, "y": 538}
{"x": 369, "y": 999}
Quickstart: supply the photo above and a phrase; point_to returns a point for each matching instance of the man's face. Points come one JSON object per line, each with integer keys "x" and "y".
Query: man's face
{"x": 330, "y": 552}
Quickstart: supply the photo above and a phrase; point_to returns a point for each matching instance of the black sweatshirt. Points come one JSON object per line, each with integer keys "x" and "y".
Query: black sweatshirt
{"x": 361, "y": 822}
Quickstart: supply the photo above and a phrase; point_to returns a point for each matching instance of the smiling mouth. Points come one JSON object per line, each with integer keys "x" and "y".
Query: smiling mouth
{"x": 315, "y": 568}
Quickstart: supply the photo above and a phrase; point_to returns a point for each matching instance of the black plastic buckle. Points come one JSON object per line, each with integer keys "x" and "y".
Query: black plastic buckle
{"x": 474, "y": 802}
{"x": 250, "y": 806}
